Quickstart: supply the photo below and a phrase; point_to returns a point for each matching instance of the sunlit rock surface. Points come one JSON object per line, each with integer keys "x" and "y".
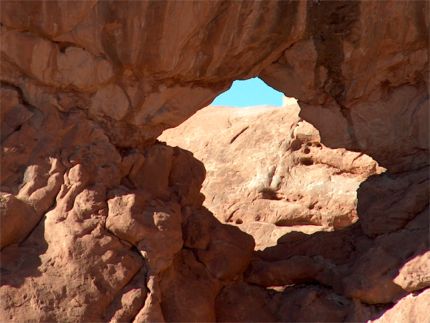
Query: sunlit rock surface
{"x": 101, "y": 223}
{"x": 267, "y": 171}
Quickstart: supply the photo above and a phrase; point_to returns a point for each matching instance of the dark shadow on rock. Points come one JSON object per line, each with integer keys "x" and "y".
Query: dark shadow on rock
{"x": 21, "y": 261}
{"x": 387, "y": 202}
{"x": 367, "y": 264}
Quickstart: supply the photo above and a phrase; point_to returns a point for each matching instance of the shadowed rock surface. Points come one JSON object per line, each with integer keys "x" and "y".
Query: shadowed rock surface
{"x": 100, "y": 222}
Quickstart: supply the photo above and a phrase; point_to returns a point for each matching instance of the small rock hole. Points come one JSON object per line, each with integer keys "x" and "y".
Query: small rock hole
{"x": 295, "y": 145}
{"x": 306, "y": 150}
{"x": 62, "y": 46}
{"x": 306, "y": 161}
{"x": 239, "y": 221}
{"x": 269, "y": 194}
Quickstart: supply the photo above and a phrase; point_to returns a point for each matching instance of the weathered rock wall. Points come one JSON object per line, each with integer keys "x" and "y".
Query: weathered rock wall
{"x": 99, "y": 222}
{"x": 88, "y": 229}
{"x": 144, "y": 66}
{"x": 267, "y": 171}
{"x": 367, "y": 75}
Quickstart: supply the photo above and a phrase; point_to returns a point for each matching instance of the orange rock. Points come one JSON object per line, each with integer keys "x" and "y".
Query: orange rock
{"x": 17, "y": 220}
{"x": 86, "y": 89}
{"x": 266, "y": 165}
{"x": 412, "y": 308}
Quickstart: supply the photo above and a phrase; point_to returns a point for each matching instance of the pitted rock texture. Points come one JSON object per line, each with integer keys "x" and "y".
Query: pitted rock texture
{"x": 267, "y": 171}
{"x": 88, "y": 192}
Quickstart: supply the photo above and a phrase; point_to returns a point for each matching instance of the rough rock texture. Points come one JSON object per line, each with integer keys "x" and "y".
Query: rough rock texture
{"x": 267, "y": 171}
{"x": 413, "y": 308}
{"x": 136, "y": 69}
{"x": 105, "y": 225}
{"x": 91, "y": 201}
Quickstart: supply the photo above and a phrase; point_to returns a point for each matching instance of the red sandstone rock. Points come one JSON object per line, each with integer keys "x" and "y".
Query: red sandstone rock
{"x": 87, "y": 87}
{"x": 388, "y": 203}
{"x": 415, "y": 274}
{"x": 144, "y": 223}
{"x": 312, "y": 304}
{"x": 372, "y": 88}
{"x": 17, "y": 220}
{"x": 241, "y": 302}
{"x": 268, "y": 166}
{"x": 413, "y": 308}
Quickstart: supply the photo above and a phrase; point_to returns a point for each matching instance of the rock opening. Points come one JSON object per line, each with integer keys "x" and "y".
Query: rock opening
{"x": 100, "y": 221}
{"x": 247, "y": 93}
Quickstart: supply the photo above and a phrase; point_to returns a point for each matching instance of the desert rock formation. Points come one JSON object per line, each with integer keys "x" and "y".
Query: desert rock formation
{"x": 100, "y": 222}
{"x": 267, "y": 171}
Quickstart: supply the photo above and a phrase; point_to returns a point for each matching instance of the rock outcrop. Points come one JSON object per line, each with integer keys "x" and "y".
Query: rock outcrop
{"x": 267, "y": 171}
{"x": 100, "y": 222}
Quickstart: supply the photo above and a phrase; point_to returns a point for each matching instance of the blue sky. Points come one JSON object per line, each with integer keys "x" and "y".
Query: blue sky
{"x": 248, "y": 93}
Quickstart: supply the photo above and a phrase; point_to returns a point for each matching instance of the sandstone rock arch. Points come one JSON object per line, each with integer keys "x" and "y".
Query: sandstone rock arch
{"x": 88, "y": 86}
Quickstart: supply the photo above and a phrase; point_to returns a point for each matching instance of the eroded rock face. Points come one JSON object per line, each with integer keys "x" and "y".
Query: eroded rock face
{"x": 378, "y": 100}
{"x": 87, "y": 192}
{"x": 268, "y": 172}
{"x": 132, "y": 65}
{"x": 101, "y": 226}
{"x": 413, "y": 308}
{"x": 255, "y": 172}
